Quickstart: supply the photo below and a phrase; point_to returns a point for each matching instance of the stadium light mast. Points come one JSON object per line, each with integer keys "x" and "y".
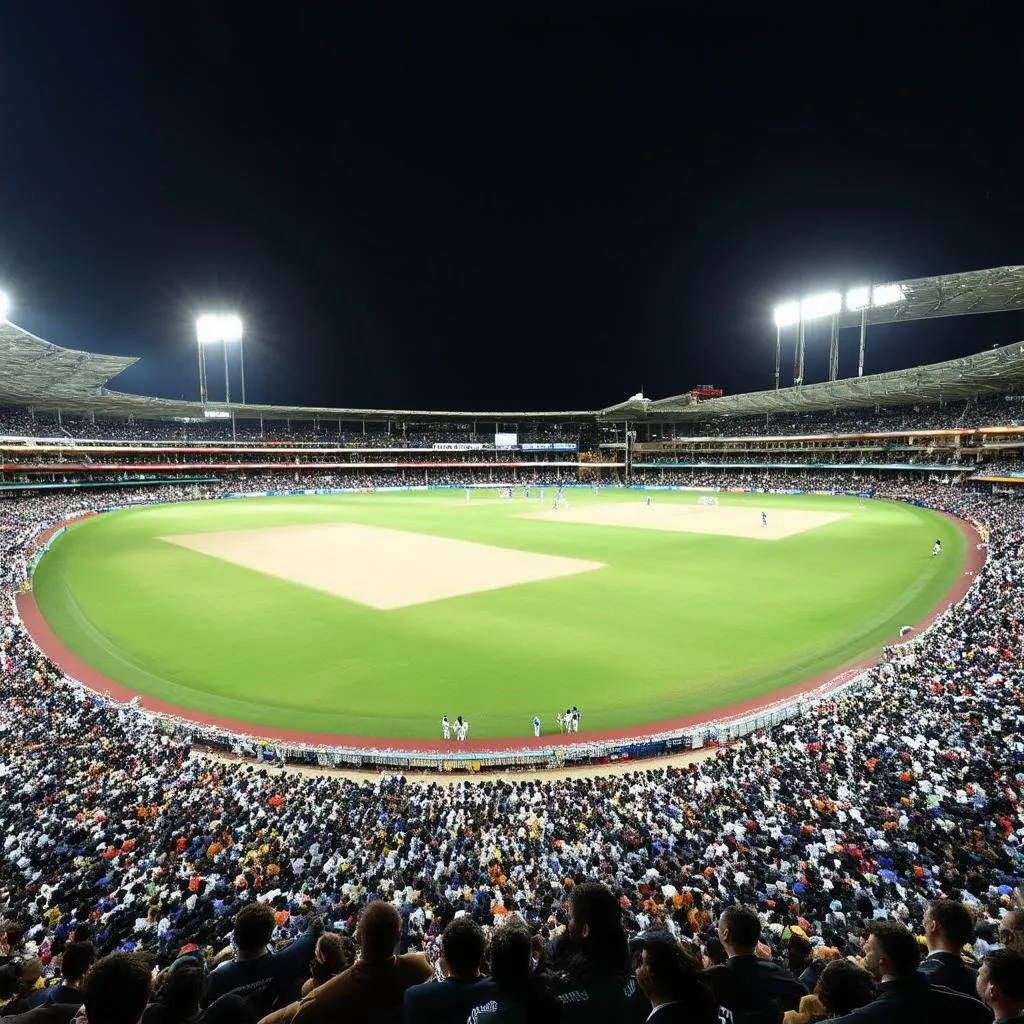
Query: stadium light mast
{"x": 219, "y": 329}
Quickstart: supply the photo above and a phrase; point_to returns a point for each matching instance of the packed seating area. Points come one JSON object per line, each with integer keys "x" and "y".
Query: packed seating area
{"x": 837, "y": 831}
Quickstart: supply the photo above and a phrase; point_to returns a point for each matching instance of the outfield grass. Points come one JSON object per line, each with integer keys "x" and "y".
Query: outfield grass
{"x": 677, "y": 623}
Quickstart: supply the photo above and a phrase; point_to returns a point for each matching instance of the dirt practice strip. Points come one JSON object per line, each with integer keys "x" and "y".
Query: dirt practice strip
{"x": 382, "y": 568}
{"x": 724, "y": 520}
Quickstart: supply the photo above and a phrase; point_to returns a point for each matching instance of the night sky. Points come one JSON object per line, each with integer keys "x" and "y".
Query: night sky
{"x": 501, "y": 205}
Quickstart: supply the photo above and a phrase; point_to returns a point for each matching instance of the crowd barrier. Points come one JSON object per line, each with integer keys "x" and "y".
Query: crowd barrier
{"x": 710, "y": 733}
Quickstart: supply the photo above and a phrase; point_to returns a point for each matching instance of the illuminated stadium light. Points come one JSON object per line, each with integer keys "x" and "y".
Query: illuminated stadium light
{"x": 214, "y": 328}
{"x": 787, "y": 314}
{"x": 5, "y": 307}
{"x": 816, "y": 306}
{"x": 858, "y": 299}
{"x": 886, "y": 294}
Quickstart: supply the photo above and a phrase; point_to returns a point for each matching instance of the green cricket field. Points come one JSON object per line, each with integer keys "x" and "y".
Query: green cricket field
{"x": 372, "y": 615}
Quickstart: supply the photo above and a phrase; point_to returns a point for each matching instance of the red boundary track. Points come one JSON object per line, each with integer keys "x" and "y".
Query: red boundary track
{"x": 71, "y": 665}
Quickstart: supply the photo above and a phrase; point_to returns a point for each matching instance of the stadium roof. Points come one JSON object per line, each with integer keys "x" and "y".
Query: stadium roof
{"x": 40, "y": 374}
{"x": 999, "y": 290}
{"x": 992, "y": 372}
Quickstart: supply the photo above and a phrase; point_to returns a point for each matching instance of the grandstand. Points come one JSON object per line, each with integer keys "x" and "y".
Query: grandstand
{"x": 867, "y": 798}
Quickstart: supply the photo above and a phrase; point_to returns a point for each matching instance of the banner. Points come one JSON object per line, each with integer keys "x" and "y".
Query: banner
{"x": 548, "y": 447}
{"x": 457, "y": 446}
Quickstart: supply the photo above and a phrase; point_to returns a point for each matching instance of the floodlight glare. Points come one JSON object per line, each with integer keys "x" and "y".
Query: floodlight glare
{"x": 787, "y": 314}
{"x": 817, "y": 306}
{"x": 5, "y": 307}
{"x": 213, "y": 328}
{"x": 886, "y": 294}
{"x": 858, "y": 299}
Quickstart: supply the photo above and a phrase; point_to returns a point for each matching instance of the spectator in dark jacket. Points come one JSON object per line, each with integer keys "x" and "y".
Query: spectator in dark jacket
{"x": 891, "y": 954}
{"x": 1001, "y": 984}
{"x": 264, "y": 977}
{"x": 947, "y": 929}
{"x": 757, "y": 991}
{"x": 76, "y": 959}
{"x": 674, "y": 985}
{"x": 439, "y": 1002}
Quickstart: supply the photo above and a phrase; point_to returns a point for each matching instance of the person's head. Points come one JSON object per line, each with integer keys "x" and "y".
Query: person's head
{"x": 947, "y": 925}
{"x": 333, "y": 954}
{"x": 739, "y": 929}
{"x": 462, "y": 947}
{"x": 182, "y": 986}
{"x": 798, "y": 951}
{"x": 667, "y": 973}
{"x": 595, "y": 925}
{"x": 890, "y": 951}
{"x": 379, "y": 928}
{"x": 1001, "y": 982}
{"x": 511, "y": 952}
{"x": 1011, "y": 931}
{"x": 843, "y": 986}
{"x": 76, "y": 959}
{"x": 117, "y": 989}
{"x": 254, "y": 926}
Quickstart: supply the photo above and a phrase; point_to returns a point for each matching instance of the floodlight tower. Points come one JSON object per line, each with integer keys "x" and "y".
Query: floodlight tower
{"x": 223, "y": 329}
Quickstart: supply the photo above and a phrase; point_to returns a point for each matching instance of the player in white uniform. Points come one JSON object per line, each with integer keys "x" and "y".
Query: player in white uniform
{"x": 465, "y": 728}
{"x": 575, "y": 718}
{"x": 647, "y": 500}
{"x": 458, "y": 727}
{"x": 560, "y": 720}
{"x": 469, "y": 494}
{"x": 764, "y": 519}
{"x": 536, "y": 725}
{"x": 446, "y": 728}
{"x": 937, "y": 550}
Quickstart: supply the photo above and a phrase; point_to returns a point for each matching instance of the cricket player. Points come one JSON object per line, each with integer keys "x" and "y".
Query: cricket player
{"x": 526, "y": 491}
{"x": 446, "y": 728}
{"x": 937, "y": 550}
{"x": 469, "y": 494}
{"x": 459, "y": 728}
{"x": 536, "y": 725}
{"x": 764, "y": 519}
{"x": 647, "y": 501}
{"x": 575, "y": 718}
{"x": 560, "y": 719}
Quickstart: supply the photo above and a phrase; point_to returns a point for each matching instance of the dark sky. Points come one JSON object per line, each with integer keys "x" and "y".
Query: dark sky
{"x": 529, "y": 204}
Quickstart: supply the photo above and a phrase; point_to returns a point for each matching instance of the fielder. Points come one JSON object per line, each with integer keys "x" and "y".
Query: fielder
{"x": 647, "y": 501}
{"x": 536, "y": 726}
{"x": 575, "y": 718}
{"x": 469, "y": 494}
{"x": 937, "y": 550}
{"x": 446, "y": 728}
{"x": 764, "y": 519}
{"x": 560, "y": 719}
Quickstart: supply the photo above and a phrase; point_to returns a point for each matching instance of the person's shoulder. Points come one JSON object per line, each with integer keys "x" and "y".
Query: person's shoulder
{"x": 54, "y": 1013}
{"x": 967, "y": 1009}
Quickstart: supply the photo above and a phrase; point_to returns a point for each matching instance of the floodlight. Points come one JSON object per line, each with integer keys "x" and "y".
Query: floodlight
{"x": 858, "y": 299}
{"x": 5, "y": 306}
{"x": 886, "y": 294}
{"x": 213, "y": 328}
{"x": 787, "y": 314}
{"x": 816, "y": 306}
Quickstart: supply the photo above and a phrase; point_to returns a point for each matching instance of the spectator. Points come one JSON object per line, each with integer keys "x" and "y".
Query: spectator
{"x": 333, "y": 954}
{"x": 178, "y": 993}
{"x": 263, "y": 976}
{"x": 594, "y": 980}
{"x": 947, "y": 929}
{"x": 1001, "y": 984}
{"x": 673, "y": 984}
{"x": 1011, "y": 931}
{"x": 522, "y": 995}
{"x": 75, "y": 961}
{"x": 892, "y": 956}
{"x": 373, "y": 988}
{"x": 842, "y": 987}
{"x": 757, "y": 991}
{"x": 464, "y": 986}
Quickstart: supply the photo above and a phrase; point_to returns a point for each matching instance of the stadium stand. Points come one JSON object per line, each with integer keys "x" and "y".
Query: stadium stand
{"x": 838, "y": 828}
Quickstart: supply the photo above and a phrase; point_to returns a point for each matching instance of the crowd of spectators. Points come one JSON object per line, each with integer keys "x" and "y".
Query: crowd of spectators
{"x": 724, "y": 890}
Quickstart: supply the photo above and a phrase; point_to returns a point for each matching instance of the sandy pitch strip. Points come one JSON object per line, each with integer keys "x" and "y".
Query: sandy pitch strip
{"x": 378, "y": 567}
{"x": 724, "y": 520}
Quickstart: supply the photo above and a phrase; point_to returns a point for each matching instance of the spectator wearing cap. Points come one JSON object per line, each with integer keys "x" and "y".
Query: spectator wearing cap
{"x": 756, "y": 990}
{"x": 947, "y": 929}
{"x": 892, "y": 955}
{"x": 1001, "y": 984}
{"x": 450, "y": 1001}
{"x": 373, "y": 988}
